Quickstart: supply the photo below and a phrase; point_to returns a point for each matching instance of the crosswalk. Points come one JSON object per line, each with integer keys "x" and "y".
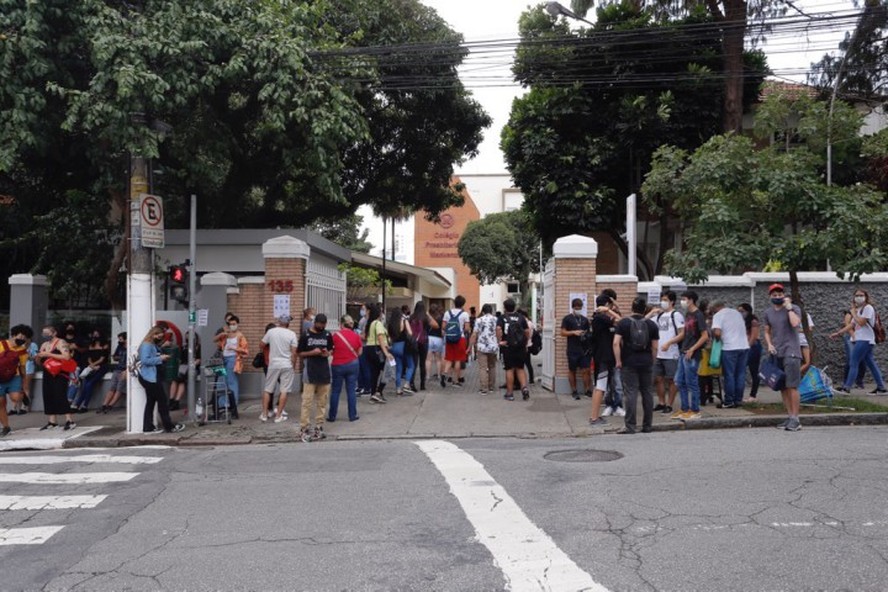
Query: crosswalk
{"x": 52, "y": 482}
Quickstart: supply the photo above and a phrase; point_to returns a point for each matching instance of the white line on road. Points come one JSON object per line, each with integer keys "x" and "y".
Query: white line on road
{"x": 27, "y": 536}
{"x": 83, "y": 458}
{"x": 528, "y": 557}
{"x": 49, "y": 502}
{"x": 65, "y": 478}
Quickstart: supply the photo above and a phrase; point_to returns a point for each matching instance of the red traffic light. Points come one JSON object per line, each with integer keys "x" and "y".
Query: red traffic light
{"x": 178, "y": 274}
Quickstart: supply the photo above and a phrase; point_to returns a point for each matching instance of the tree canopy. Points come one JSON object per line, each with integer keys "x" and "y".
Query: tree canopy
{"x": 499, "y": 247}
{"x": 581, "y": 139}
{"x": 279, "y": 112}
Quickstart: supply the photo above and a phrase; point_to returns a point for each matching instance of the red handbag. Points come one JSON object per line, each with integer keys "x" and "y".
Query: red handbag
{"x": 56, "y": 367}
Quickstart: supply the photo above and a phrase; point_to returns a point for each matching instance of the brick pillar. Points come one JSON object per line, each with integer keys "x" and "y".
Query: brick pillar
{"x": 286, "y": 260}
{"x": 575, "y": 273}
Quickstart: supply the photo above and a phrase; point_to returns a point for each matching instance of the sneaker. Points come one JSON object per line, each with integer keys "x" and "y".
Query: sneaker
{"x": 525, "y": 393}
{"x": 405, "y": 393}
{"x": 157, "y": 430}
{"x": 283, "y": 413}
{"x": 319, "y": 434}
{"x": 280, "y": 419}
{"x": 725, "y": 406}
{"x": 376, "y": 398}
{"x": 667, "y": 409}
{"x": 457, "y": 384}
{"x": 408, "y": 389}
{"x": 782, "y": 425}
{"x": 691, "y": 415}
{"x": 69, "y": 425}
{"x": 5, "y": 431}
{"x": 597, "y": 422}
{"x": 179, "y": 427}
{"x": 443, "y": 382}
{"x": 625, "y": 430}
{"x": 608, "y": 411}
{"x": 620, "y": 412}
{"x": 305, "y": 435}
{"x": 263, "y": 417}
{"x": 575, "y": 395}
{"x": 879, "y": 391}
{"x": 659, "y": 407}
{"x": 482, "y": 392}
{"x": 588, "y": 394}
{"x": 509, "y": 397}
{"x": 793, "y": 425}
{"x": 842, "y": 389}
{"x": 678, "y": 414}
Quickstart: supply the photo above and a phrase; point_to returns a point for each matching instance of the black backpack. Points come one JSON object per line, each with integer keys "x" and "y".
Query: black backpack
{"x": 639, "y": 335}
{"x": 536, "y": 342}
{"x": 515, "y": 337}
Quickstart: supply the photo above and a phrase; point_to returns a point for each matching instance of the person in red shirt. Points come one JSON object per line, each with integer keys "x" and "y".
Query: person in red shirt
{"x": 13, "y": 358}
{"x": 347, "y": 347}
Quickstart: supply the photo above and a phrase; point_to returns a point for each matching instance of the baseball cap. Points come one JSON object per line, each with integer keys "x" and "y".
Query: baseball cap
{"x": 775, "y": 287}
{"x": 320, "y": 318}
{"x": 284, "y": 319}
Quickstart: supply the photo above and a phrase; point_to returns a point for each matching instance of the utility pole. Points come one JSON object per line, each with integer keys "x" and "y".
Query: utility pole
{"x": 192, "y": 311}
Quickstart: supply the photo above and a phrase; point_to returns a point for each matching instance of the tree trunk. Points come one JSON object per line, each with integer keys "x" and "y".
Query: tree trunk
{"x": 112, "y": 277}
{"x": 796, "y": 294}
{"x": 734, "y": 31}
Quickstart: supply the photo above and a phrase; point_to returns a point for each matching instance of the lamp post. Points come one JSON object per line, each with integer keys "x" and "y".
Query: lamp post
{"x": 556, "y": 9}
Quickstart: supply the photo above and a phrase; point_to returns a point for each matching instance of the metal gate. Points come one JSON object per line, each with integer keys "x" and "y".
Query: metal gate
{"x": 325, "y": 289}
{"x": 549, "y": 327}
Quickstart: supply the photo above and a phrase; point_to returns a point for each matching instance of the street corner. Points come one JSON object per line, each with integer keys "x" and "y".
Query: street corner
{"x": 49, "y": 439}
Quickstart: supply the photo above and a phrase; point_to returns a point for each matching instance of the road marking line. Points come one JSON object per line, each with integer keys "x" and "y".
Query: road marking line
{"x": 65, "y": 478}
{"x": 49, "y": 502}
{"x": 528, "y": 557}
{"x": 27, "y": 536}
{"x": 83, "y": 458}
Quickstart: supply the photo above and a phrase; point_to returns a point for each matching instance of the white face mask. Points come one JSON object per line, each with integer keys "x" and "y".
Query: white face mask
{"x": 232, "y": 327}
{"x": 860, "y": 299}
{"x": 578, "y": 311}
{"x": 664, "y": 304}
{"x": 683, "y": 303}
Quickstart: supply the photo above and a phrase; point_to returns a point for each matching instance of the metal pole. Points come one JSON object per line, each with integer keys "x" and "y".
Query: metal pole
{"x": 382, "y": 279}
{"x": 192, "y": 301}
{"x": 630, "y": 233}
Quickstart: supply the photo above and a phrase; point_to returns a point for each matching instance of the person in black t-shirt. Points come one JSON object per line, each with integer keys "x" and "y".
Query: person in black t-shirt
{"x": 514, "y": 354}
{"x": 315, "y": 348}
{"x": 574, "y": 326}
{"x": 635, "y": 348}
{"x": 603, "y": 321}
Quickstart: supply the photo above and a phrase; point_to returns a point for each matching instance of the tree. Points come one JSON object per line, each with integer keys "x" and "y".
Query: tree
{"x": 745, "y": 207}
{"x": 345, "y": 233}
{"x": 259, "y": 108}
{"x": 361, "y": 282}
{"x": 581, "y": 139}
{"x": 500, "y": 247}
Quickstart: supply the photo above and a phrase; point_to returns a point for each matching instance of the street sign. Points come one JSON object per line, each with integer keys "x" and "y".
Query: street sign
{"x": 151, "y": 214}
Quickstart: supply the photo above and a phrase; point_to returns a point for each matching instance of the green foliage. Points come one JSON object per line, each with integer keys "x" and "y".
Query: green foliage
{"x": 345, "y": 233}
{"x": 362, "y": 282}
{"x": 499, "y": 247}
{"x": 743, "y": 208}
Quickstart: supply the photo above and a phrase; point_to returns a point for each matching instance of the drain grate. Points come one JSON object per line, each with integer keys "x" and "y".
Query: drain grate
{"x": 583, "y": 455}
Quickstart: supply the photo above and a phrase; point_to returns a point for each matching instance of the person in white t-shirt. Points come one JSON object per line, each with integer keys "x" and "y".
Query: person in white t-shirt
{"x": 282, "y": 344}
{"x": 863, "y": 317}
{"x": 669, "y": 321}
{"x": 729, "y": 326}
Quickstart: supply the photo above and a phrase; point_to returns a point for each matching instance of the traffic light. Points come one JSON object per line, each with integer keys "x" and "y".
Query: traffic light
{"x": 178, "y": 280}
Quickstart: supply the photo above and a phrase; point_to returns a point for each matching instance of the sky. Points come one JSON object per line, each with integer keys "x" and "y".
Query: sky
{"x": 486, "y": 20}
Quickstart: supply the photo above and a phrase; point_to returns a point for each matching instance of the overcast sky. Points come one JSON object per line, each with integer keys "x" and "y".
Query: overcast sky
{"x": 485, "y": 20}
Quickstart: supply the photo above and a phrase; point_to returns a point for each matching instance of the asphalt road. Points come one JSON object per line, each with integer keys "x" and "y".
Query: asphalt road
{"x": 756, "y": 509}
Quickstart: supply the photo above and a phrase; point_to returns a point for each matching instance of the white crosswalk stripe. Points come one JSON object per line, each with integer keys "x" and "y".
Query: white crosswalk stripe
{"x": 11, "y": 501}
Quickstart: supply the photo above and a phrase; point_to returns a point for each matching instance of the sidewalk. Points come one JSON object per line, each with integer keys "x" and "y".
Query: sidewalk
{"x": 436, "y": 413}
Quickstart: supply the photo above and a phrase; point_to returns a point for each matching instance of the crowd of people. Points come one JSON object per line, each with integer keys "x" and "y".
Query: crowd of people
{"x": 671, "y": 350}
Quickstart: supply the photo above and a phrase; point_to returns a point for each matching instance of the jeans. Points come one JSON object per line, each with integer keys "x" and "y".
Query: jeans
{"x": 863, "y": 352}
{"x": 734, "y": 374}
{"x": 688, "y": 384}
{"x": 231, "y": 381}
{"x": 618, "y": 388}
{"x": 347, "y": 373}
{"x": 86, "y": 389}
{"x": 861, "y": 368}
{"x": 638, "y": 379}
{"x": 403, "y": 359}
{"x": 753, "y": 363}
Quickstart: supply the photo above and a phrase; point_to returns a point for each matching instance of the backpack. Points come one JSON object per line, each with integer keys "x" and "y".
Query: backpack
{"x": 639, "y": 335}
{"x": 671, "y": 316}
{"x": 536, "y": 343}
{"x": 515, "y": 337}
{"x": 452, "y": 330}
{"x": 9, "y": 363}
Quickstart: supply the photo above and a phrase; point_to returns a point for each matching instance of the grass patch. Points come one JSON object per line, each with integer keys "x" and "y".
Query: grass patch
{"x": 859, "y": 406}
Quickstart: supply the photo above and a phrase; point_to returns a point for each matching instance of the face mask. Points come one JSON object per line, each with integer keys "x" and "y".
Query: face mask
{"x": 578, "y": 311}
{"x": 158, "y": 339}
{"x": 664, "y": 304}
{"x": 683, "y": 303}
{"x": 232, "y": 327}
{"x": 363, "y": 313}
{"x": 776, "y": 301}
{"x": 69, "y": 335}
{"x": 20, "y": 342}
{"x": 859, "y": 299}
{"x": 47, "y": 335}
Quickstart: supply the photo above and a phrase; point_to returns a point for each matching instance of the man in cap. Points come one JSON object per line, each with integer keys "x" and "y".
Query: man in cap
{"x": 282, "y": 344}
{"x": 315, "y": 348}
{"x": 782, "y": 322}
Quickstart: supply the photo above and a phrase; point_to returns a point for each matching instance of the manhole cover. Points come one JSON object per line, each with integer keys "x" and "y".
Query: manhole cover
{"x": 583, "y": 455}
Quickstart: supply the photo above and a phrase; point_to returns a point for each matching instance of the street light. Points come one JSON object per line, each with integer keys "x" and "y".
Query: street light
{"x": 556, "y": 9}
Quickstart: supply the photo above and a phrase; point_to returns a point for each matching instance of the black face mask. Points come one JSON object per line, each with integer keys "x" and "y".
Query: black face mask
{"x": 20, "y": 342}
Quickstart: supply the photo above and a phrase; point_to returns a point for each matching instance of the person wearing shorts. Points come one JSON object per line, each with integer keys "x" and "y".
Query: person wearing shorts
{"x": 603, "y": 324}
{"x": 118, "y": 376}
{"x": 783, "y": 320}
{"x": 669, "y": 323}
{"x": 282, "y": 344}
{"x": 12, "y": 388}
{"x": 574, "y": 326}
{"x": 514, "y": 357}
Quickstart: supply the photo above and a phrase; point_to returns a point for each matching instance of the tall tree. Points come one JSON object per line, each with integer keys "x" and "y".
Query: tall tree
{"x": 581, "y": 139}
